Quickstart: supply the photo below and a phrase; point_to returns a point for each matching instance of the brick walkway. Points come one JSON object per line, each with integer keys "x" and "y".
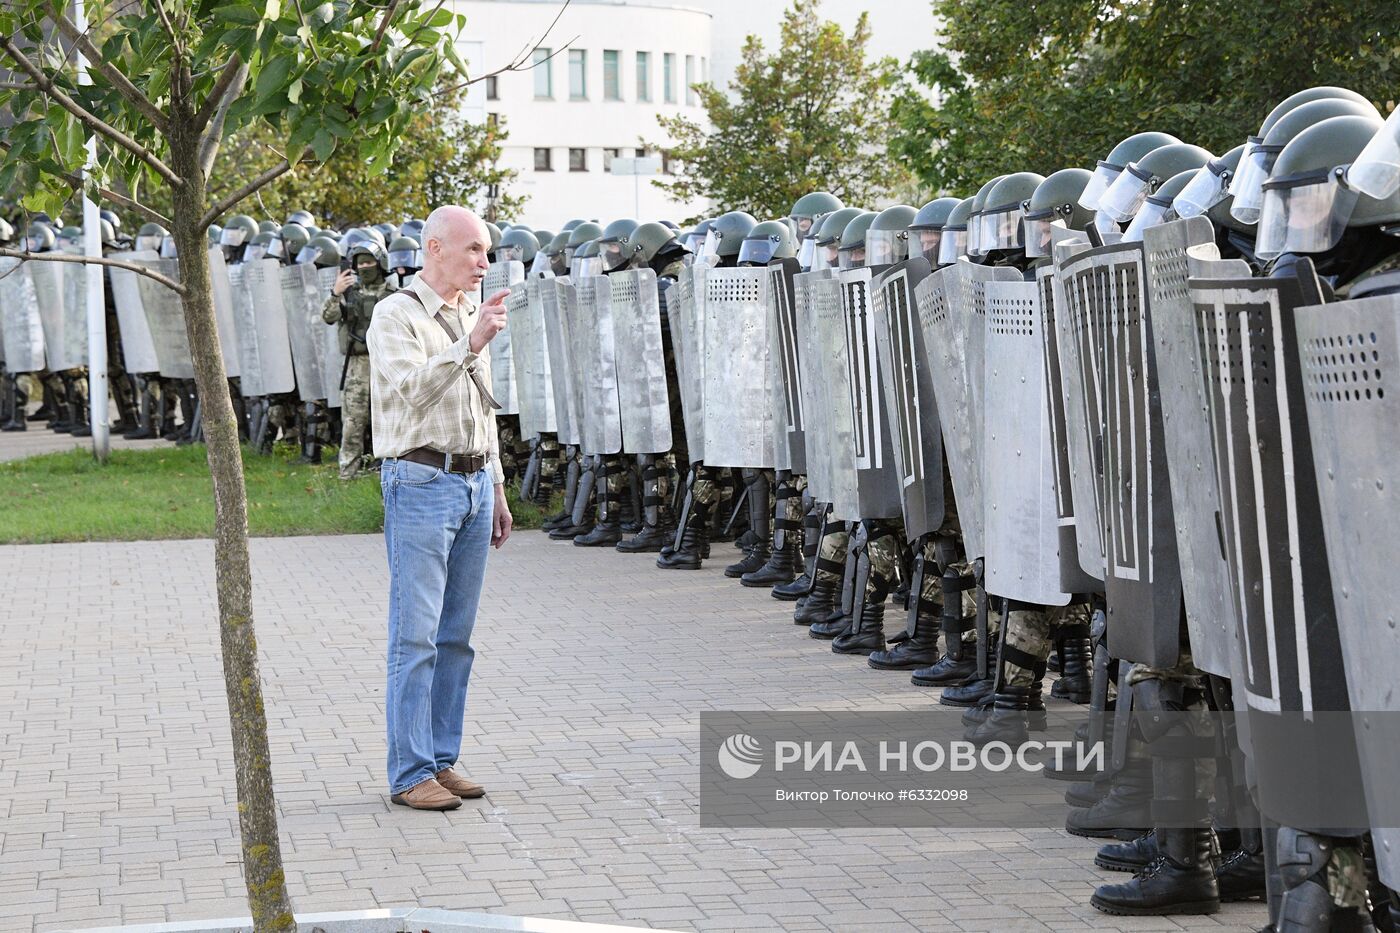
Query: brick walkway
{"x": 116, "y": 784}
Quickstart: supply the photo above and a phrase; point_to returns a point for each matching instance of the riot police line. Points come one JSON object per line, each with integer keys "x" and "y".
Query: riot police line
{"x": 1131, "y": 424}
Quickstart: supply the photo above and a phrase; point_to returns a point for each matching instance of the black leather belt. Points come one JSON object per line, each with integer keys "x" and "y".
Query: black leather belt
{"x": 448, "y": 463}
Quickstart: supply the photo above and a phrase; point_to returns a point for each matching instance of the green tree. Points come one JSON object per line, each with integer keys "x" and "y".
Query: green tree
{"x": 170, "y": 80}
{"x": 1039, "y": 86}
{"x": 812, "y": 116}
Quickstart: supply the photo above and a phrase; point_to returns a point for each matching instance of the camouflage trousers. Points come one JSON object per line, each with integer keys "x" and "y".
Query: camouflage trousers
{"x": 1029, "y": 636}
{"x": 880, "y": 541}
{"x": 706, "y": 492}
{"x": 787, "y": 510}
{"x": 612, "y": 485}
{"x": 551, "y": 462}
{"x": 833, "y": 544}
{"x": 514, "y": 449}
{"x": 656, "y": 473}
{"x": 354, "y": 415}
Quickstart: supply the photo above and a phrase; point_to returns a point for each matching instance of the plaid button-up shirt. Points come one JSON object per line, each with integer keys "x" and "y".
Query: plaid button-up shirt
{"x": 420, "y": 392}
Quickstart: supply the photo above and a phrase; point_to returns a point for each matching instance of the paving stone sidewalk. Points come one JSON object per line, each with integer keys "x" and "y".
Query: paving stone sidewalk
{"x": 116, "y": 781}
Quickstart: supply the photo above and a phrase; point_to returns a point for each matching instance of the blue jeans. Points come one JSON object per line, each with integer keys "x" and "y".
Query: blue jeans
{"x": 437, "y": 528}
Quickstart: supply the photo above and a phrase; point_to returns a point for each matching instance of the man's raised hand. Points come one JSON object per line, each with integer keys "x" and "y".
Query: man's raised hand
{"x": 490, "y": 321}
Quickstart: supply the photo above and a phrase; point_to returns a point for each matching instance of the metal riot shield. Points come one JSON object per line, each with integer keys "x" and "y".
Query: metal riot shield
{"x": 502, "y": 275}
{"x": 334, "y": 364}
{"x": 684, "y": 317}
{"x": 531, "y": 354}
{"x": 644, "y": 405}
{"x": 223, "y": 311}
{"x": 877, "y": 480}
{"x": 597, "y": 372}
{"x": 565, "y": 357}
{"x": 65, "y": 345}
{"x": 1079, "y": 345}
{"x": 165, "y": 316}
{"x": 1073, "y": 579}
{"x": 811, "y": 382}
{"x": 1021, "y": 523}
{"x": 264, "y": 350}
{"x": 138, "y": 351}
{"x": 910, "y": 408}
{"x": 1205, "y": 578}
{"x": 738, "y": 415}
{"x": 75, "y": 289}
{"x": 789, "y": 425}
{"x": 1142, "y": 575}
{"x": 831, "y": 464}
{"x": 301, "y": 299}
{"x": 1289, "y": 645}
{"x": 1350, "y": 356}
{"x": 20, "y": 327}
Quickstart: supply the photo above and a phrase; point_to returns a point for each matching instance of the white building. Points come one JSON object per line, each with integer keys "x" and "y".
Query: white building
{"x": 627, "y": 62}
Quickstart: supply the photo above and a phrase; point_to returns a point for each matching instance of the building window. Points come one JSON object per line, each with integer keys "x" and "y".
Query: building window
{"x": 578, "y": 160}
{"x": 492, "y": 91}
{"x": 690, "y": 80}
{"x": 608, "y": 156}
{"x": 668, "y": 77}
{"x": 578, "y": 74}
{"x": 542, "y": 161}
{"x": 612, "y": 75}
{"x": 544, "y": 78}
{"x": 644, "y": 76}
{"x": 667, "y": 166}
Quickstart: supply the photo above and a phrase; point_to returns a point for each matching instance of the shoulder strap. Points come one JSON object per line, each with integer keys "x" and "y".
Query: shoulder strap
{"x": 451, "y": 335}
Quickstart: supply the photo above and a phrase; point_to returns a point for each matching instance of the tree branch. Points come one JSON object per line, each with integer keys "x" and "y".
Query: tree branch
{"x": 17, "y": 86}
{"x": 238, "y": 194}
{"x": 216, "y": 107}
{"x": 383, "y": 25}
{"x": 169, "y": 29}
{"x": 26, "y": 256}
{"x": 113, "y": 74}
{"x": 110, "y": 196}
{"x": 517, "y": 63}
{"x": 113, "y": 134}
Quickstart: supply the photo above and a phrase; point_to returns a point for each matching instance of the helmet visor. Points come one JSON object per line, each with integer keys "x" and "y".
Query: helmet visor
{"x": 541, "y": 264}
{"x": 1207, "y": 188}
{"x": 232, "y": 236}
{"x": 825, "y": 258}
{"x": 1001, "y": 228}
{"x": 1123, "y": 198}
{"x": 585, "y": 267}
{"x": 974, "y": 235}
{"x": 1104, "y": 175}
{"x": 1038, "y": 232}
{"x": 308, "y": 254}
{"x": 952, "y": 245}
{"x": 149, "y": 241}
{"x": 1304, "y": 213}
{"x": 693, "y": 242}
{"x": 512, "y": 253}
{"x": 807, "y": 252}
{"x": 402, "y": 259}
{"x": 801, "y": 225}
{"x": 1376, "y": 172}
{"x": 886, "y": 247}
{"x": 711, "y": 247}
{"x": 1248, "y": 186}
{"x": 757, "y": 250}
{"x": 1153, "y": 212}
{"x": 1109, "y": 230}
{"x": 255, "y": 251}
{"x": 615, "y": 254}
{"x": 928, "y": 244}
{"x": 852, "y": 257}
{"x": 167, "y": 248}
{"x": 276, "y": 249}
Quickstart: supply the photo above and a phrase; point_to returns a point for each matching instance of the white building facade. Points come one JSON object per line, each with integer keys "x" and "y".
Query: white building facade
{"x": 626, "y": 63}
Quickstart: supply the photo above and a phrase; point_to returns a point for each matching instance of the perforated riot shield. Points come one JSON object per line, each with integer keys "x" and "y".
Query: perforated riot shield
{"x": 687, "y": 337}
{"x": 738, "y": 412}
{"x": 166, "y": 319}
{"x": 812, "y": 375}
{"x": 334, "y": 359}
{"x": 1205, "y": 579}
{"x": 567, "y": 366}
{"x": 785, "y": 350}
{"x": 530, "y": 349}
{"x": 548, "y": 292}
{"x": 264, "y": 349}
{"x": 65, "y": 339}
{"x": 592, "y": 334}
{"x": 138, "y": 351}
{"x": 501, "y": 275}
{"x": 644, "y": 404}
{"x": 877, "y": 481}
{"x": 75, "y": 290}
{"x": 1350, "y": 355}
{"x": 1142, "y": 575}
{"x": 20, "y": 327}
{"x": 911, "y": 410}
{"x": 1073, "y": 579}
{"x": 223, "y": 311}
{"x": 831, "y": 463}
{"x": 301, "y": 299}
{"x": 1018, "y": 479}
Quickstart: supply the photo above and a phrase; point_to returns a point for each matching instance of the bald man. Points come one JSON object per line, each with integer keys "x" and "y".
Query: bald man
{"x": 444, "y": 503}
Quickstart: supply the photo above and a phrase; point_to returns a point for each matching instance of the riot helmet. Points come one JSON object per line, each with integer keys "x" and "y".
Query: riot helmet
{"x": 7, "y": 232}
{"x": 769, "y": 240}
{"x": 999, "y": 222}
{"x": 979, "y": 201}
{"x": 726, "y": 236}
{"x": 39, "y": 238}
{"x": 167, "y": 248}
{"x": 851, "y": 253}
{"x": 266, "y": 245}
{"x": 320, "y": 251}
{"x": 578, "y": 236}
{"x": 653, "y": 241}
{"x": 1055, "y": 203}
{"x": 927, "y": 228}
{"x": 953, "y": 243}
{"x": 1209, "y": 186}
{"x": 403, "y": 254}
{"x": 1157, "y": 209}
{"x": 615, "y": 246}
{"x": 518, "y": 245}
{"x": 411, "y": 228}
{"x": 148, "y": 237}
{"x": 569, "y": 227}
{"x": 543, "y": 237}
{"x": 1108, "y": 169}
{"x": 496, "y": 234}
{"x": 238, "y": 232}
{"x": 294, "y": 237}
{"x": 268, "y": 226}
{"x": 108, "y": 232}
{"x": 828, "y": 237}
{"x": 111, "y": 217}
{"x": 587, "y": 261}
{"x": 1144, "y": 176}
{"x": 887, "y": 240}
{"x": 70, "y": 236}
{"x": 1307, "y": 203}
{"x": 304, "y": 218}
{"x": 1376, "y": 172}
{"x": 1259, "y": 157}
{"x": 670, "y": 225}
{"x": 809, "y": 209}
{"x": 214, "y": 233}
{"x": 695, "y": 240}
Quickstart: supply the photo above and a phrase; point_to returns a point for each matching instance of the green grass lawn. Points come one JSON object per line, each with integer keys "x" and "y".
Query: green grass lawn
{"x": 143, "y": 495}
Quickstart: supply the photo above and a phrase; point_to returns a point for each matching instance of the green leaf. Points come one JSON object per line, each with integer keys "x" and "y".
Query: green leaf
{"x": 323, "y": 144}
{"x": 440, "y": 19}
{"x": 233, "y": 13}
{"x": 273, "y": 75}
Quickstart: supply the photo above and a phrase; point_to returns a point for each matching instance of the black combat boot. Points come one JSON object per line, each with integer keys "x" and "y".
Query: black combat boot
{"x": 811, "y": 541}
{"x": 1015, "y": 713}
{"x": 780, "y": 568}
{"x": 980, "y": 711}
{"x": 948, "y": 671}
{"x": 867, "y": 632}
{"x": 651, "y": 539}
{"x": 21, "y": 399}
{"x": 689, "y": 555}
{"x": 1125, "y": 813}
{"x": 1179, "y": 881}
{"x": 606, "y": 533}
{"x": 823, "y": 605}
{"x": 920, "y": 648}
{"x": 1240, "y": 874}
{"x": 1076, "y": 679}
{"x": 968, "y": 694}
{"x": 1089, "y": 792}
{"x": 838, "y": 624}
{"x": 1128, "y": 856}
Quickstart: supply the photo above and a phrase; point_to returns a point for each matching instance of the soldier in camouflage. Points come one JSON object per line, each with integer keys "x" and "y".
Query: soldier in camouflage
{"x": 351, "y": 305}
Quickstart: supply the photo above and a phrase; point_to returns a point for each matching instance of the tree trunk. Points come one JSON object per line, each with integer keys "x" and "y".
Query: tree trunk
{"x": 263, "y": 876}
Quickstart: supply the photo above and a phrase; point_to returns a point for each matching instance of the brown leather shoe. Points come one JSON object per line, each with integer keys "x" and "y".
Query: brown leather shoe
{"x": 427, "y": 795}
{"x": 456, "y": 784}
